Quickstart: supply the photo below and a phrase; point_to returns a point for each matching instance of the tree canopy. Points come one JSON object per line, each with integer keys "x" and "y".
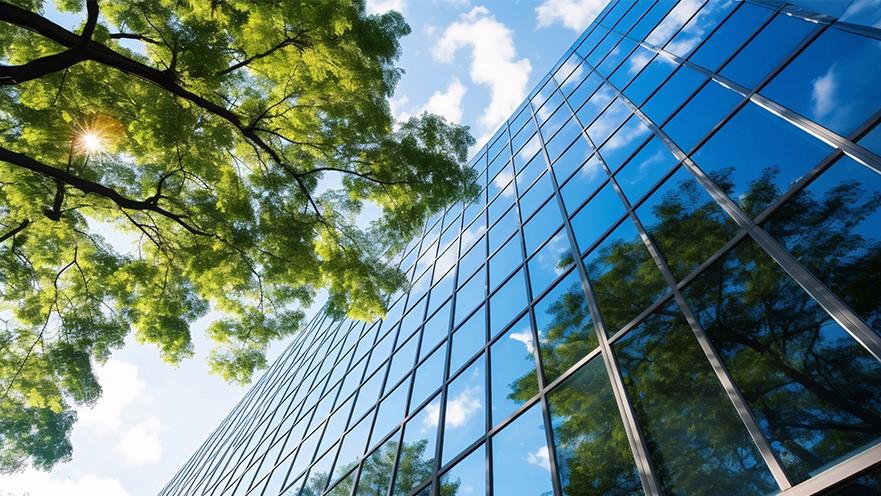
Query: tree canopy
{"x": 235, "y": 143}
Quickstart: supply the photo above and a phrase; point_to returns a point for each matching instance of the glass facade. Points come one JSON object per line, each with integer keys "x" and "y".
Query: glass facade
{"x": 670, "y": 284}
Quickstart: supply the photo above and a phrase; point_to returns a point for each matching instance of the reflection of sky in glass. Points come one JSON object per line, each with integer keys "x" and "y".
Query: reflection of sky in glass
{"x": 697, "y": 28}
{"x": 538, "y": 193}
{"x": 672, "y": 94}
{"x": 645, "y": 169}
{"x": 469, "y": 475}
{"x": 589, "y": 178}
{"x": 503, "y": 262}
{"x": 678, "y": 16}
{"x": 649, "y": 79}
{"x": 540, "y": 227}
{"x": 467, "y": 339}
{"x": 509, "y": 300}
{"x": 731, "y": 36}
{"x": 597, "y": 216}
{"x": 828, "y": 83}
{"x": 464, "y": 418}
{"x": 521, "y": 464}
{"x": 708, "y": 107}
{"x": 512, "y": 359}
{"x": 626, "y": 139}
{"x": 545, "y": 267}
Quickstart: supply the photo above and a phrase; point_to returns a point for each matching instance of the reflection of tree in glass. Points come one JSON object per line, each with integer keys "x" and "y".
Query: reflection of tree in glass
{"x": 815, "y": 390}
{"x": 414, "y": 468}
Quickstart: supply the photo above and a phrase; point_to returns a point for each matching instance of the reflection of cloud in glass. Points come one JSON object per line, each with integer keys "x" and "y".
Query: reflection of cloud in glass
{"x": 459, "y": 409}
{"x": 676, "y": 18}
{"x": 644, "y": 167}
{"x": 502, "y": 179}
{"x": 573, "y": 77}
{"x": 625, "y": 135}
{"x": 470, "y": 234}
{"x": 823, "y": 93}
{"x": 550, "y": 256}
{"x": 524, "y": 337}
{"x": 638, "y": 61}
{"x": 540, "y": 458}
{"x": 530, "y": 148}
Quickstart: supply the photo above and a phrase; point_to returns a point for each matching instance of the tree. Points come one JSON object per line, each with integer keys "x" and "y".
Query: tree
{"x": 236, "y": 143}
{"x": 813, "y": 389}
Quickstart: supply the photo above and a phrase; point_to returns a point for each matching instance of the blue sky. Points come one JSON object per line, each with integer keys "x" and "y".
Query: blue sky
{"x": 472, "y": 62}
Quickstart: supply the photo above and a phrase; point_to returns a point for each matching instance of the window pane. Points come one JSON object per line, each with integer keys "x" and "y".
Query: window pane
{"x": 767, "y": 50}
{"x": 649, "y": 79}
{"x": 691, "y": 429}
{"x": 416, "y": 462}
{"x": 390, "y": 412}
{"x": 550, "y": 262}
{"x": 685, "y": 223}
{"x": 708, "y": 107}
{"x": 608, "y": 122}
{"x": 352, "y": 448}
{"x": 597, "y": 216}
{"x": 504, "y": 261}
{"x": 624, "y": 277}
{"x": 645, "y": 169}
{"x": 507, "y": 302}
{"x": 582, "y": 184}
{"x": 467, "y": 339}
{"x": 730, "y": 36}
{"x": 699, "y": 27}
{"x": 465, "y": 417}
{"x": 533, "y": 198}
{"x": 468, "y": 477}
{"x": 834, "y": 81}
{"x": 435, "y": 329}
{"x": 815, "y": 391}
{"x": 542, "y": 225}
{"x": 625, "y": 140}
{"x": 565, "y": 328}
{"x": 376, "y": 471}
{"x": 673, "y": 94}
{"x": 472, "y": 293}
{"x": 593, "y": 456}
{"x": 572, "y": 158}
{"x": 513, "y": 370}
{"x": 757, "y": 156}
{"x": 427, "y": 379}
{"x": 834, "y": 228}
{"x": 521, "y": 464}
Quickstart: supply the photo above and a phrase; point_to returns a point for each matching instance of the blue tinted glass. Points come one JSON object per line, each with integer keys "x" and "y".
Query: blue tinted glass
{"x": 532, "y": 170}
{"x": 678, "y": 15}
{"x": 699, "y": 27}
{"x": 626, "y": 139}
{"x": 583, "y": 184}
{"x": 552, "y": 260}
{"x": 442, "y": 291}
{"x": 597, "y": 216}
{"x": 467, "y": 339}
{"x": 593, "y": 456}
{"x": 815, "y": 391}
{"x": 435, "y": 329}
{"x": 834, "y": 81}
{"x": 651, "y": 19}
{"x": 617, "y": 55}
{"x": 681, "y": 209}
{"x": 521, "y": 464}
{"x": 471, "y": 294}
{"x": 389, "y": 413}
{"x": 872, "y": 140}
{"x": 692, "y": 430}
{"x": 507, "y": 302}
{"x": 367, "y": 394}
{"x": 502, "y": 230}
{"x": 402, "y": 361}
{"x": 504, "y": 261}
{"x": 585, "y": 90}
{"x": 649, "y": 79}
{"x": 624, "y": 277}
{"x": 572, "y": 158}
{"x": 564, "y": 326}
{"x": 834, "y": 228}
{"x": 465, "y": 417}
{"x": 426, "y": 380}
{"x": 553, "y": 122}
{"x": 597, "y": 103}
{"x": 417, "y": 450}
{"x": 866, "y": 12}
{"x": 540, "y": 226}
{"x": 674, "y": 92}
{"x": 513, "y": 370}
{"x": 377, "y": 477}
{"x": 533, "y": 198}
{"x": 468, "y": 477}
{"x": 472, "y": 260}
{"x": 708, "y": 107}
{"x": 505, "y": 199}
{"x": 731, "y": 36}
{"x": 352, "y": 448}
{"x": 527, "y": 153}
{"x": 608, "y": 122}
{"x": 767, "y": 50}
{"x": 645, "y": 169}
{"x": 629, "y": 69}
{"x": 561, "y": 141}
{"x": 756, "y": 150}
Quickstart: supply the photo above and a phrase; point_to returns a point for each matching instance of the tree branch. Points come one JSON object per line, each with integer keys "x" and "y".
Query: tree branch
{"x": 25, "y": 223}
{"x": 91, "y": 187}
{"x": 133, "y": 36}
{"x": 288, "y": 41}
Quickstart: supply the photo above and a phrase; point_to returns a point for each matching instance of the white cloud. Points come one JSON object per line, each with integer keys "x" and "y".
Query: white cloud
{"x": 680, "y": 14}
{"x": 120, "y": 413}
{"x": 383, "y": 6}
{"x": 525, "y": 337}
{"x": 459, "y": 409}
{"x": 448, "y": 103}
{"x": 39, "y": 483}
{"x": 141, "y": 444}
{"x": 573, "y": 14}
{"x": 121, "y": 388}
{"x": 823, "y": 93}
{"x": 540, "y": 458}
{"x": 493, "y": 61}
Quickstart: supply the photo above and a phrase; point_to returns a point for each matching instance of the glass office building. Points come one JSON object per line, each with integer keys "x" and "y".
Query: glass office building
{"x": 671, "y": 284}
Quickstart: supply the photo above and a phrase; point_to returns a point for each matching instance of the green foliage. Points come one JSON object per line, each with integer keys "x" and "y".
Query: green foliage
{"x": 236, "y": 143}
